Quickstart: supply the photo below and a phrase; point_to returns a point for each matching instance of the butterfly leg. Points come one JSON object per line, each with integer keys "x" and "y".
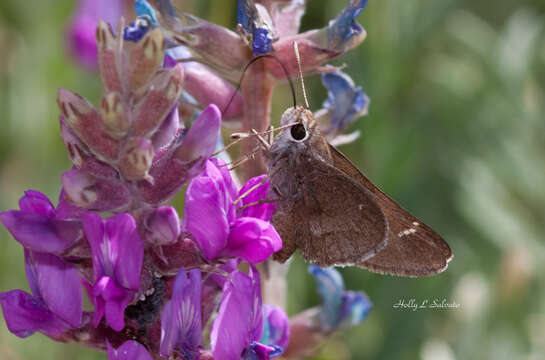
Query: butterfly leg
{"x": 263, "y": 181}
{"x": 266, "y": 145}
{"x": 259, "y": 202}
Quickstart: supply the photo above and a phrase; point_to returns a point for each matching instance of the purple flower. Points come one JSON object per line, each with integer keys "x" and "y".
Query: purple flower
{"x": 130, "y": 350}
{"x": 181, "y": 329}
{"x": 81, "y": 32}
{"x": 239, "y": 324}
{"x": 340, "y": 308}
{"x": 210, "y": 215}
{"x": 117, "y": 253}
{"x": 55, "y": 305}
{"x": 162, "y": 226}
{"x": 39, "y": 227}
{"x": 277, "y": 328}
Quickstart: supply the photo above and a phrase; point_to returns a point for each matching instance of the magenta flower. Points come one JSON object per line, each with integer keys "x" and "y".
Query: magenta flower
{"x": 39, "y": 227}
{"x": 239, "y": 325}
{"x": 210, "y": 215}
{"x": 55, "y": 305}
{"x": 181, "y": 329}
{"x": 277, "y": 329}
{"x": 117, "y": 253}
{"x": 82, "y": 29}
{"x": 130, "y": 350}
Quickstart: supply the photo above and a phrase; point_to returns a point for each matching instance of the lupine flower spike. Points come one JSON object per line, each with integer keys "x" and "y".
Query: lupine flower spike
{"x": 162, "y": 285}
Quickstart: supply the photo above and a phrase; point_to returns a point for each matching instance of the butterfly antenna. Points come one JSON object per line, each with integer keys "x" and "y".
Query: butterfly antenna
{"x": 251, "y": 62}
{"x": 298, "y": 59}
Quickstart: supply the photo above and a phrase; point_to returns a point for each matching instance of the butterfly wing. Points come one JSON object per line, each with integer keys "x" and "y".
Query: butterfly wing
{"x": 413, "y": 249}
{"x": 335, "y": 222}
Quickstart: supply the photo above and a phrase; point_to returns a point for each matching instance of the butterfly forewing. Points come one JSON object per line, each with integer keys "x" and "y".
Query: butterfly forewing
{"x": 413, "y": 249}
{"x": 335, "y": 222}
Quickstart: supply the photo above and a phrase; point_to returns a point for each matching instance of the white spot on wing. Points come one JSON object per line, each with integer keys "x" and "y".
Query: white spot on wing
{"x": 406, "y": 232}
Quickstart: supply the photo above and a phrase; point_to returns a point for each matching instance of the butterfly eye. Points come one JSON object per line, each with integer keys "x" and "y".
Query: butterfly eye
{"x": 298, "y": 132}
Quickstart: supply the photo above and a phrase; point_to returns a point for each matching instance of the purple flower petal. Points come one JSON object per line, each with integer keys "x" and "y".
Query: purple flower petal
{"x": 117, "y": 253}
{"x": 35, "y": 202}
{"x": 181, "y": 317}
{"x": 253, "y": 240}
{"x": 278, "y": 325}
{"x": 130, "y": 350}
{"x": 57, "y": 283}
{"x": 215, "y": 170}
{"x": 200, "y": 141}
{"x": 112, "y": 239}
{"x": 81, "y": 33}
{"x": 205, "y": 216}
{"x": 121, "y": 229}
{"x": 186, "y": 161}
{"x": 262, "y": 211}
{"x": 112, "y": 301}
{"x": 25, "y": 314}
{"x": 240, "y": 318}
{"x": 41, "y": 233}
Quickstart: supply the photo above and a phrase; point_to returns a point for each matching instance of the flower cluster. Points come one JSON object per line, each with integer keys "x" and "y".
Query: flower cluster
{"x": 162, "y": 286}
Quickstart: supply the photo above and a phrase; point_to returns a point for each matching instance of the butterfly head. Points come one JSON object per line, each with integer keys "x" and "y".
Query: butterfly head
{"x": 302, "y": 121}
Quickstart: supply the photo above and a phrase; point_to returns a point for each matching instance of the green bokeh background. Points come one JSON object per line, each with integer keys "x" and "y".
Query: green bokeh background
{"x": 456, "y": 134}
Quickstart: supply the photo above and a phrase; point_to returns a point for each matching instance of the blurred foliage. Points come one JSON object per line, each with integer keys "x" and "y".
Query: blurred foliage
{"x": 455, "y": 133}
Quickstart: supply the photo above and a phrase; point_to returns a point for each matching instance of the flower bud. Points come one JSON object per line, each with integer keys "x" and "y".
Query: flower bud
{"x": 153, "y": 108}
{"x": 114, "y": 115}
{"x": 79, "y": 188}
{"x": 85, "y": 121}
{"x": 136, "y": 159}
{"x": 145, "y": 58}
{"x": 163, "y": 226}
{"x": 92, "y": 193}
{"x": 108, "y": 54}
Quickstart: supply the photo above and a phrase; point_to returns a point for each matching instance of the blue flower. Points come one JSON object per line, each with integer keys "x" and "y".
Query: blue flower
{"x": 261, "y": 41}
{"x": 345, "y": 102}
{"x": 143, "y": 8}
{"x": 343, "y": 27}
{"x": 339, "y": 308}
{"x": 146, "y": 20}
{"x": 256, "y": 30}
